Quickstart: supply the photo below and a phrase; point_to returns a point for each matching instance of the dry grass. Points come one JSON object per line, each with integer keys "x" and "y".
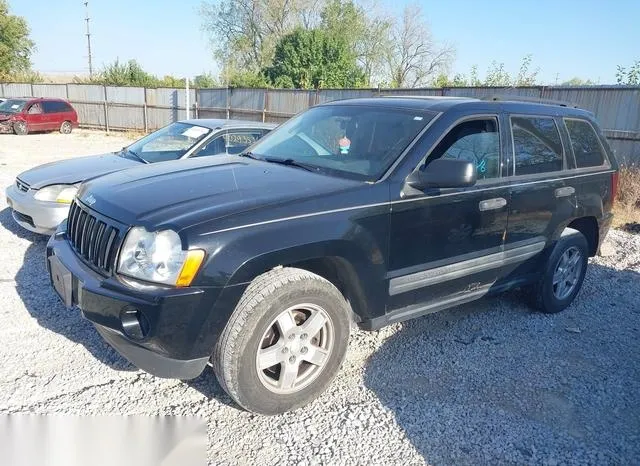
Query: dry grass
{"x": 627, "y": 206}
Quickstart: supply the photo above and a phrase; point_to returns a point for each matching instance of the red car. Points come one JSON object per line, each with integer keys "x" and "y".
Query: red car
{"x": 29, "y": 114}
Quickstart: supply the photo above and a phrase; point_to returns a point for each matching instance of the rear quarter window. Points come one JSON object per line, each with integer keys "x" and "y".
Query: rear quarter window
{"x": 585, "y": 143}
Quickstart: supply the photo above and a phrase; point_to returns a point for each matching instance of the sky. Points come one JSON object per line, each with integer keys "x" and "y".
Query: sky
{"x": 566, "y": 38}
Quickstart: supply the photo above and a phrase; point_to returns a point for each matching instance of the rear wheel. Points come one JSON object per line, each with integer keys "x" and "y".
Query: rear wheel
{"x": 563, "y": 274}
{"x": 20, "y": 127}
{"x": 66, "y": 127}
{"x": 284, "y": 343}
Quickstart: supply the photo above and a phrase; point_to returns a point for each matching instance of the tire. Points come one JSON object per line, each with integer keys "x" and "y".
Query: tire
{"x": 566, "y": 266}
{"x": 20, "y": 128}
{"x": 258, "y": 331}
{"x": 66, "y": 127}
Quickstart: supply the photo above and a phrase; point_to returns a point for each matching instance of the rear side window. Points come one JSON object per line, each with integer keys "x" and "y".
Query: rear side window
{"x": 536, "y": 145}
{"x": 585, "y": 143}
{"x": 475, "y": 141}
{"x": 55, "y": 106}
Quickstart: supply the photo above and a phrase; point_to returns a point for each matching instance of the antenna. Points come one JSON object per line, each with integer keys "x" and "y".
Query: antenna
{"x": 86, "y": 5}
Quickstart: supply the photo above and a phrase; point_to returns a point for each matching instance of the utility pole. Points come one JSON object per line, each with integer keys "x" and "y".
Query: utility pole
{"x": 86, "y": 5}
{"x": 557, "y": 77}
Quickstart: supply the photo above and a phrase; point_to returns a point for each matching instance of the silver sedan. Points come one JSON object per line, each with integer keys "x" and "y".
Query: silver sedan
{"x": 40, "y": 197}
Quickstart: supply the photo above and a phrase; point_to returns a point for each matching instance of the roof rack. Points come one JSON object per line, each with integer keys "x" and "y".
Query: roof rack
{"x": 537, "y": 100}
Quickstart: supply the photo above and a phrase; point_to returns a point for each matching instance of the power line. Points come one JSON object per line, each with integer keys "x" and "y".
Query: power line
{"x": 86, "y": 5}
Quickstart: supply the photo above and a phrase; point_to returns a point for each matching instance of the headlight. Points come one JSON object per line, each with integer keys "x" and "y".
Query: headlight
{"x": 158, "y": 257}
{"x": 62, "y": 193}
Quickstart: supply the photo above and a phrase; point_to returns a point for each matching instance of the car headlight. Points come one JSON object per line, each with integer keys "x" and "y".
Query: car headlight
{"x": 158, "y": 257}
{"x": 61, "y": 193}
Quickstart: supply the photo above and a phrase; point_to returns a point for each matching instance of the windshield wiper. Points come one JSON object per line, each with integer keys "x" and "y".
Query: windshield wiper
{"x": 291, "y": 163}
{"x": 136, "y": 156}
{"x": 250, "y": 155}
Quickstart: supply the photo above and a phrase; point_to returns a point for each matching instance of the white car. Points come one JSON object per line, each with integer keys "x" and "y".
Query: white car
{"x": 40, "y": 197}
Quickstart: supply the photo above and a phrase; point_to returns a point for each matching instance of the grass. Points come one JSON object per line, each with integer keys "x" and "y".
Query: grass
{"x": 627, "y": 205}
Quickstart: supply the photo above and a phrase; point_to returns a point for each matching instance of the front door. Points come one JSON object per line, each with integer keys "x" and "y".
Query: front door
{"x": 36, "y": 118}
{"x": 447, "y": 245}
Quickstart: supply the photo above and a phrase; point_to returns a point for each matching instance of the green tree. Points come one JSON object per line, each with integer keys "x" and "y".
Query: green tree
{"x": 310, "y": 59}
{"x": 205, "y": 81}
{"x": 247, "y": 79}
{"x": 365, "y": 33}
{"x": 629, "y": 76}
{"x": 15, "y": 46}
{"x": 576, "y": 81}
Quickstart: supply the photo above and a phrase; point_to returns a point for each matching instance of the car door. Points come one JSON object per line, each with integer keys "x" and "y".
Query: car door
{"x": 446, "y": 245}
{"x": 230, "y": 142}
{"x": 36, "y": 119}
{"x": 53, "y": 115}
{"x": 539, "y": 197}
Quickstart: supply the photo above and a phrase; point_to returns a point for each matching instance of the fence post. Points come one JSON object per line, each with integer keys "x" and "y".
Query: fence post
{"x": 32, "y": 90}
{"x": 106, "y": 109}
{"x": 228, "y": 101}
{"x": 144, "y": 112}
{"x": 265, "y": 102}
{"x": 195, "y": 104}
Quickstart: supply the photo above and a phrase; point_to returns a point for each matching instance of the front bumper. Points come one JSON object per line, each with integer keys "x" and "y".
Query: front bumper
{"x": 6, "y": 127}
{"x": 165, "y": 344}
{"x": 36, "y": 216}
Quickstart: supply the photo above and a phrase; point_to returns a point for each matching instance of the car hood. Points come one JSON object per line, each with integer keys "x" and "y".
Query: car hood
{"x": 75, "y": 170}
{"x": 4, "y": 116}
{"x": 181, "y": 194}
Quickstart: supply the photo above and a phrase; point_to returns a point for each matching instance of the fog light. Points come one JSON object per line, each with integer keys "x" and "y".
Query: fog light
{"x": 134, "y": 324}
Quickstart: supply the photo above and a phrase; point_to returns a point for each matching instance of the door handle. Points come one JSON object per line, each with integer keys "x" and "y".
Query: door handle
{"x": 492, "y": 204}
{"x": 565, "y": 191}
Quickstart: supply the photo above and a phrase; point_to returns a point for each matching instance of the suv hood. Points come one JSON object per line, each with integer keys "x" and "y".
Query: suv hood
{"x": 4, "y": 116}
{"x": 75, "y": 170}
{"x": 181, "y": 194}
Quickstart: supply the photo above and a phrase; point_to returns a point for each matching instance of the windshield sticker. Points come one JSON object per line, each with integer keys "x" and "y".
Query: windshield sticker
{"x": 14, "y": 106}
{"x": 482, "y": 166}
{"x": 345, "y": 145}
{"x": 195, "y": 132}
{"x": 417, "y": 118}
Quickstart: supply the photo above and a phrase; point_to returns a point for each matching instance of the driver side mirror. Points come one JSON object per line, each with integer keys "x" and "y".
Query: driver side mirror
{"x": 444, "y": 173}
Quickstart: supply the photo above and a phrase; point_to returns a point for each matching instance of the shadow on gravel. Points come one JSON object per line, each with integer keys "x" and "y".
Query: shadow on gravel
{"x": 493, "y": 382}
{"x": 32, "y": 284}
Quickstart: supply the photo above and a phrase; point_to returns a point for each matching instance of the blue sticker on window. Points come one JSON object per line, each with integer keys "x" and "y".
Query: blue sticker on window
{"x": 482, "y": 166}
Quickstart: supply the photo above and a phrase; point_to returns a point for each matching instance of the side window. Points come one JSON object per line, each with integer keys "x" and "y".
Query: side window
{"x": 50, "y": 106}
{"x": 35, "y": 109}
{"x": 536, "y": 144}
{"x": 237, "y": 141}
{"x": 476, "y": 141}
{"x": 214, "y": 147}
{"x": 231, "y": 143}
{"x": 585, "y": 143}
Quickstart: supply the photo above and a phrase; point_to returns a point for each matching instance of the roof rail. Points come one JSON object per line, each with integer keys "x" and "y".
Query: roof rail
{"x": 537, "y": 100}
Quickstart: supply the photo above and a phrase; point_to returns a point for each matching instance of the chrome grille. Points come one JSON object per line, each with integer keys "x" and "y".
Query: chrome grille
{"x": 22, "y": 186}
{"x": 95, "y": 240}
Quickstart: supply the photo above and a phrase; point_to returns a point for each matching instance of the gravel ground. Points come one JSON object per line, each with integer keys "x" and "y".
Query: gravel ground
{"x": 486, "y": 383}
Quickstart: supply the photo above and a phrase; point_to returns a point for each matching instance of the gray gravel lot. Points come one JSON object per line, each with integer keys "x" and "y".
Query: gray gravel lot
{"x": 486, "y": 383}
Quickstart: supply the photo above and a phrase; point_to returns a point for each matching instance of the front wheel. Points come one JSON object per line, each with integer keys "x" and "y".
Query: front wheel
{"x": 20, "y": 127}
{"x": 66, "y": 128}
{"x": 563, "y": 273}
{"x": 284, "y": 343}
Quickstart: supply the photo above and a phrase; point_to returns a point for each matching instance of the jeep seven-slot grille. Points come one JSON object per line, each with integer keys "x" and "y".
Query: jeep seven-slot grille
{"x": 93, "y": 239}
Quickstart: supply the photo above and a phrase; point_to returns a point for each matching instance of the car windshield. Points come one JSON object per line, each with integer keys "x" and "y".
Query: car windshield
{"x": 12, "y": 106}
{"x": 168, "y": 143}
{"x": 353, "y": 141}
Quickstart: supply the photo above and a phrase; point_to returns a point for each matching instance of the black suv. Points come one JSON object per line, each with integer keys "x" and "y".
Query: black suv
{"x": 366, "y": 211}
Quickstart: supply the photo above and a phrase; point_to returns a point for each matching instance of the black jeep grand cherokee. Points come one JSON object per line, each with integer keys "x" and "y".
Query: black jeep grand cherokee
{"x": 370, "y": 211}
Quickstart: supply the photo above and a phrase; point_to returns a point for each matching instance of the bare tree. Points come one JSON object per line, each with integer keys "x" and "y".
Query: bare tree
{"x": 413, "y": 57}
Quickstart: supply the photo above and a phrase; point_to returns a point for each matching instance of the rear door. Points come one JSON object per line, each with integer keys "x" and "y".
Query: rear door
{"x": 53, "y": 114}
{"x": 540, "y": 200}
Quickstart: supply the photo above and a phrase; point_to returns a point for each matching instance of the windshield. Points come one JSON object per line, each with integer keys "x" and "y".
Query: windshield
{"x": 12, "y": 106}
{"x": 345, "y": 140}
{"x": 168, "y": 143}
